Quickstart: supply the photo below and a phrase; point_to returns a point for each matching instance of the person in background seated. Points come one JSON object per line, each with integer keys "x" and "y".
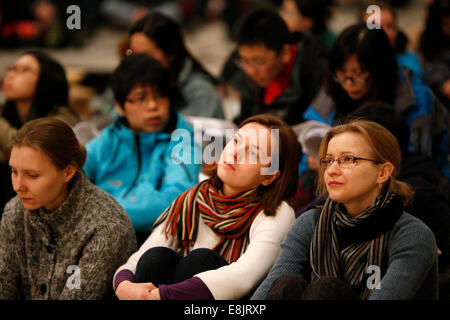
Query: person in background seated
{"x": 397, "y": 38}
{"x": 219, "y": 239}
{"x": 363, "y": 69}
{"x": 34, "y": 87}
{"x": 134, "y": 159}
{"x": 62, "y": 237}
{"x": 310, "y": 135}
{"x": 361, "y": 244}
{"x": 309, "y": 16}
{"x": 162, "y": 38}
{"x": 274, "y": 70}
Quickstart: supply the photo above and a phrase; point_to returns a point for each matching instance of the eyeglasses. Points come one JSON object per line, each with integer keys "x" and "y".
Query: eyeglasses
{"x": 344, "y": 162}
{"x": 144, "y": 98}
{"x": 255, "y": 63}
{"x": 358, "y": 79}
{"x": 20, "y": 69}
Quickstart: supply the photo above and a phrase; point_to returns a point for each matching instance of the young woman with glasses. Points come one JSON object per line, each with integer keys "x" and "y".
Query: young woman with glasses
{"x": 34, "y": 86}
{"x": 361, "y": 244}
{"x": 363, "y": 68}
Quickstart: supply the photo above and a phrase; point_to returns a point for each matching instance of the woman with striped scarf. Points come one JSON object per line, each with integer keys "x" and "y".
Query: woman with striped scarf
{"x": 360, "y": 244}
{"x": 219, "y": 239}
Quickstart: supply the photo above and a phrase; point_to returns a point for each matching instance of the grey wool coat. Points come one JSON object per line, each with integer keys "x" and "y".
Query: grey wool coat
{"x": 70, "y": 253}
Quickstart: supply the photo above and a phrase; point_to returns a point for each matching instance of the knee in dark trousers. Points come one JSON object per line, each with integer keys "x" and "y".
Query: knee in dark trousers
{"x": 197, "y": 261}
{"x": 328, "y": 288}
{"x": 157, "y": 265}
{"x": 287, "y": 287}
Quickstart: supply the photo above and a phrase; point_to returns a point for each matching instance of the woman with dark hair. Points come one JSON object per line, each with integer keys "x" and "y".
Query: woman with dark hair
{"x": 218, "y": 239}
{"x": 361, "y": 244}
{"x": 363, "y": 68}
{"x": 162, "y": 38}
{"x": 434, "y": 47}
{"x": 62, "y": 237}
{"x": 34, "y": 87}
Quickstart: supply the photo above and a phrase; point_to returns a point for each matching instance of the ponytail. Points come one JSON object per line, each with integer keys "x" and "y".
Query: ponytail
{"x": 403, "y": 190}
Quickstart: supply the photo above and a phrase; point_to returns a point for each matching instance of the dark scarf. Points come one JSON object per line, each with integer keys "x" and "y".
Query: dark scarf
{"x": 229, "y": 217}
{"x": 344, "y": 246}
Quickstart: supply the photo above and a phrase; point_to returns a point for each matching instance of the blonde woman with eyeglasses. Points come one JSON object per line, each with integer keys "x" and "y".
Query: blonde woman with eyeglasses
{"x": 361, "y": 244}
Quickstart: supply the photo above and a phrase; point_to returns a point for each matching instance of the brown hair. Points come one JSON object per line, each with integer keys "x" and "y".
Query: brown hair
{"x": 385, "y": 147}
{"x": 284, "y": 187}
{"x": 55, "y": 138}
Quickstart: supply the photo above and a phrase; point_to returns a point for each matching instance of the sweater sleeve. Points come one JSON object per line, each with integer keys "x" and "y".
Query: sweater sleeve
{"x": 412, "y": 256}
{"x": 236, "y": 280}
{"x": 294, "y": 255}
{"x": 9, "y": 254}
{"x": 190, "y": 289}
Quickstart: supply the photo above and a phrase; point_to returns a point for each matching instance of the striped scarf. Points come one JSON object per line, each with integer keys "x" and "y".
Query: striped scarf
{"x": 344, "y": 247}
{"x": 229, "y": 217}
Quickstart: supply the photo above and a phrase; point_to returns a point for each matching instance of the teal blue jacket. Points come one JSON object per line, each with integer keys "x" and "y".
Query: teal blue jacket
{"x": 143, "y": 172}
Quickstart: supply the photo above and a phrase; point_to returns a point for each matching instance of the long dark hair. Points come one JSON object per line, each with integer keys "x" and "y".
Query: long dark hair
{"x": 375, "y": 55}
{"x": 52, "y": 90}
{"x": 167, "y": 35}
{"x": 432, "y": 41}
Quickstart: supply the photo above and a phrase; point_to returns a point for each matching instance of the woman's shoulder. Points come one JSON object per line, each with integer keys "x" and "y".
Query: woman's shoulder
{"x": 409, "y": 229}
{"x": 101, "y": 204}
{"x": 13, "y": 212}
{"x": 285, "y": 215}
{"x": 308, "y": 219}
{"x": 101, "y": 215}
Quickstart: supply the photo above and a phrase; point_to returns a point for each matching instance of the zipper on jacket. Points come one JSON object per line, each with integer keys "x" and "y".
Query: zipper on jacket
{"x": 133, "y": 184}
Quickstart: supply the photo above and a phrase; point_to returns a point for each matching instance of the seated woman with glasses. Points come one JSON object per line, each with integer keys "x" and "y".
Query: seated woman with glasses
{"x": 135, "y": 159}
{"x": 361, "y": 244}
{"x": 161, "y": 37}
{"x": 363, "y": 68}
{"x": 219, "y": 239}
{"x": 34, "y": 87}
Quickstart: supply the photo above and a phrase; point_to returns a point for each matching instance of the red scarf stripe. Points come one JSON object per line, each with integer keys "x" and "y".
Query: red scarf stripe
{"x": 230, "y": 217}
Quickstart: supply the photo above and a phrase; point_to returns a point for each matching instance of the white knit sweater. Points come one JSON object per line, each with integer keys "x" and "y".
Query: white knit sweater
{"x": 237, "y": 279}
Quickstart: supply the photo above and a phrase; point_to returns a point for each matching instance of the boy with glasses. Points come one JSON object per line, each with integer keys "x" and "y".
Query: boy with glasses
{"x": 274, "y": 71}
{"x": 134, "y": 159}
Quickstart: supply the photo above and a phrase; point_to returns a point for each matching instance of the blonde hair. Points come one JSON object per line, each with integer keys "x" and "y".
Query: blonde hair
{"x": 385, "y": 147}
